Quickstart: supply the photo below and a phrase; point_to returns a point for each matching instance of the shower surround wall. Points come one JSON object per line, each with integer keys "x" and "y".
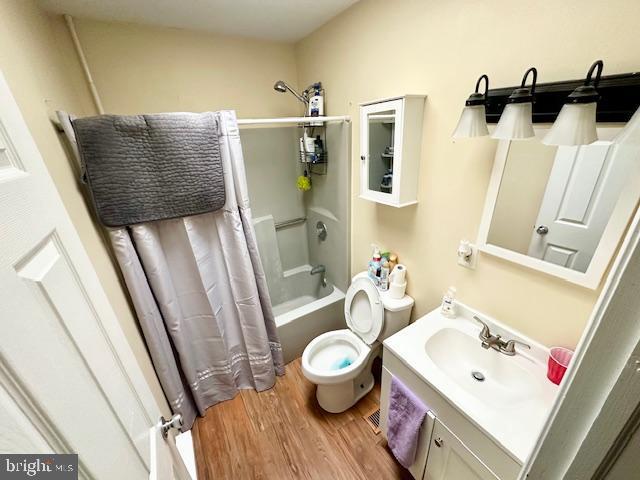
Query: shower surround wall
{"x": 269, "y": 156}
{"x": 304, "y": 308}
{"x": 328, "y": 201}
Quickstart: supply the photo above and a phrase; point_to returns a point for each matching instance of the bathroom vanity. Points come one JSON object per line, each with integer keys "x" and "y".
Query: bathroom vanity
{"x": 486, "y": 407}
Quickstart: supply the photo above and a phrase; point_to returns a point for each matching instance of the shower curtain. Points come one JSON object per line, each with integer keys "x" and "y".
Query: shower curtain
{"x": 201, "y": 296}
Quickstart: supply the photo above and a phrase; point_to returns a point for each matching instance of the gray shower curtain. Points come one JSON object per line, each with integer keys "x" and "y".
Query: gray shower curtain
{"x": 201, "y": 296}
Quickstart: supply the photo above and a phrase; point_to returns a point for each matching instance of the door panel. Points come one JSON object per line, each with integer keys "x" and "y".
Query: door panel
{"x": 583, "y": 189}
{"x": 450, "y": 459}
{"x": 582, "y": 184}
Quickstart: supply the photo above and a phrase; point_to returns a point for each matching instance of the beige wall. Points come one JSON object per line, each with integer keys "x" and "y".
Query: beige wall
{"x": 139, "y": 69}
{"x": 380, "y": 48}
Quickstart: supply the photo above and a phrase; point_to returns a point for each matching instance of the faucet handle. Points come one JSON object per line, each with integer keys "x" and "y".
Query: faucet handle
{"x": 484, "y": 334}
{"x": 509, "y": 347}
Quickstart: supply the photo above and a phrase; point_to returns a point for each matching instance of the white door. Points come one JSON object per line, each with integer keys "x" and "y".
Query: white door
{"x": 450, "y": 459}
{"x": 69, "y": 382}
{"x": 582, "y": 191}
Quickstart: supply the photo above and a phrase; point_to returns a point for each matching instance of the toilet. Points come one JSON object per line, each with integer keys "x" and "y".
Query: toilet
{"x": 339, "y": 362}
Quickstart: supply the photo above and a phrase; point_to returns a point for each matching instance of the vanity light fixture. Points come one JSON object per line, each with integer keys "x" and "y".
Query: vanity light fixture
{"x": 473, "y": 121}
{"x": 576, "y": 123}
{"x": 516, "y": 119}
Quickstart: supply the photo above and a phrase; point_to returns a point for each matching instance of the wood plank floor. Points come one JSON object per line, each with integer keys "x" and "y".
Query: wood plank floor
{"x": 282, "y": 433}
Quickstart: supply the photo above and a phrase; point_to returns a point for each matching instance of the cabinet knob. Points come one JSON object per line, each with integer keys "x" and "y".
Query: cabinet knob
{"x": 439, "y": 442}
{"x": 363, "y": 158}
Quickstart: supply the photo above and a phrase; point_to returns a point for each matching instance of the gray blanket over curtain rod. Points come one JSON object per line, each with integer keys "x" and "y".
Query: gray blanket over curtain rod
{"x": 142, "y": 168}
{"x": 200, "y": 293}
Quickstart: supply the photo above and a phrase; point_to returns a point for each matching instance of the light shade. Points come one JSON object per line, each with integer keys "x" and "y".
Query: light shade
{"x": 630, "y": 134}
{"x": 515, "y": 122}
{"x": 575, "y": 125}
{"x": 472, "y": 123}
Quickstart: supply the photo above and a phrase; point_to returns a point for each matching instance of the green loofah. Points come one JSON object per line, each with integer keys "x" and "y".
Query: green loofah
{"x": 304, "y": 183}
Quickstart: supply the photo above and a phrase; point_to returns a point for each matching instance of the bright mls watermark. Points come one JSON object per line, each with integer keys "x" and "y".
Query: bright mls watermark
{"x": 49, "y": 466}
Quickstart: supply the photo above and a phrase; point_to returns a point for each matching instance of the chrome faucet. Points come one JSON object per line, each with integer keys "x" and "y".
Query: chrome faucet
{"x": 495, "y": 341}
{"x": 320, "y": 269}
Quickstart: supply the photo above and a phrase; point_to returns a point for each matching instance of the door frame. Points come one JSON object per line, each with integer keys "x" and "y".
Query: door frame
{"x": 598, "y": 398}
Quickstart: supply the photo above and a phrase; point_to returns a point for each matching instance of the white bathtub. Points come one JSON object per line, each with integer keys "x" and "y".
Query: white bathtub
{"x": 308, "y": 310}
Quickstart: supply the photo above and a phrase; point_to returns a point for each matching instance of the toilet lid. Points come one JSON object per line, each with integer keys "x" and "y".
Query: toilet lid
{"x": 363, "y": 310}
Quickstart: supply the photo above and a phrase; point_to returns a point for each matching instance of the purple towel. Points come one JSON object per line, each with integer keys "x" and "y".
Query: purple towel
{"x": 406, "y": 414}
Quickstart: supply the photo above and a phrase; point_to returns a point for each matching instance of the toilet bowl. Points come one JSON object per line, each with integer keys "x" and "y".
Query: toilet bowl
{"x": 339, "y": 362}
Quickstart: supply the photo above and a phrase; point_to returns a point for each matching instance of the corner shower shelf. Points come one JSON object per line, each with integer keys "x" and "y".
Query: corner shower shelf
{"x": 313, "y": 158}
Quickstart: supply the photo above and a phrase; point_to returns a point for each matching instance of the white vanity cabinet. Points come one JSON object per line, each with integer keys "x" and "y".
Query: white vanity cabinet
{"x": 449, "y": 458}
{"x": 450, "y": 446}
{"x": 486, "y": 408}
{"x": 390, "y": 143}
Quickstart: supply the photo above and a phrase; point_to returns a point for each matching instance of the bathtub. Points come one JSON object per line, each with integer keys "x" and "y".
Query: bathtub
{"x": 307, "y": 310}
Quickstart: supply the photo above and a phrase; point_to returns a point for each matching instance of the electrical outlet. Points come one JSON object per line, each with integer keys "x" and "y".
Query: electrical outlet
{"x": 467, "y": 254}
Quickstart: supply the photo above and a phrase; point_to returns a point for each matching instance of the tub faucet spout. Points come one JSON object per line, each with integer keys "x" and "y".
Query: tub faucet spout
{"x": 322, "y": 270}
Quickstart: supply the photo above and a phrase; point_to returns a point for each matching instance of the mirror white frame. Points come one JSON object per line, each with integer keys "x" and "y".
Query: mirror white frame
{"x": 367, "y": 111}
{"x": 611, "y": 237}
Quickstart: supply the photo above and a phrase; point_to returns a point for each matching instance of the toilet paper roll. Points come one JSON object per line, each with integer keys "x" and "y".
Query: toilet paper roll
{"x": 398, "y": 274}
{"x": 396, "y": 290}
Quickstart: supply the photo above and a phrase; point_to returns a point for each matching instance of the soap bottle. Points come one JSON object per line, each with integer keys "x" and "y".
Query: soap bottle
{"x": 384, "y": 276}
{"x": 316, "y": 102}
{"x": 375, "y": 266}
{"x": 448, "y": 305}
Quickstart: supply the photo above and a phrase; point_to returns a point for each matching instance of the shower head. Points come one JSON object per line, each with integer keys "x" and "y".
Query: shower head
{"x": 282, "y": 86}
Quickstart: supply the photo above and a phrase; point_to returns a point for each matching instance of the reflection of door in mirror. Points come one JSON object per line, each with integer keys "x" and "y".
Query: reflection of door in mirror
{"x": 554, "y": 203}
{"x": 582, "y": 191}
{"x": 381, "y": 140}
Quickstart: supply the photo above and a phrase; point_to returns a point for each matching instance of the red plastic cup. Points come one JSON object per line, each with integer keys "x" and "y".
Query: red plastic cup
{"x": 559, "y": 358}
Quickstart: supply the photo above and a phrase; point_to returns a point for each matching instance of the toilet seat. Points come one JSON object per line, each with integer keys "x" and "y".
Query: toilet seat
{"x": 364, "y": 310}
{"x": 317, "y": 358}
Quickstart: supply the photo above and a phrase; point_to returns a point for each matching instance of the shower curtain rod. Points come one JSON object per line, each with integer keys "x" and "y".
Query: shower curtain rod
{"x": 262, "y": 121}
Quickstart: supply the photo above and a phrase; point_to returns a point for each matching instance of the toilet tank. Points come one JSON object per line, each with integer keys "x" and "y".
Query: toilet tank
{"x": 396, "y": 314}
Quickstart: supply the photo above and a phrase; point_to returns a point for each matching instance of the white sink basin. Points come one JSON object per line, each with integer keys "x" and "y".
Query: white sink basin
{"x": 492, "y": 377}
{"x": 513, "y": 399}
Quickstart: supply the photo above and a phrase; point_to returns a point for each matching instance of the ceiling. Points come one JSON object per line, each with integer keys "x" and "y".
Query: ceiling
{"x": 281, "y": 20}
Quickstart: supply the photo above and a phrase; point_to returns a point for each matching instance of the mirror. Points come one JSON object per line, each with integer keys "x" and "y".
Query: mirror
{"x": 562, "y": 210}
{"x": 381, "y": 146}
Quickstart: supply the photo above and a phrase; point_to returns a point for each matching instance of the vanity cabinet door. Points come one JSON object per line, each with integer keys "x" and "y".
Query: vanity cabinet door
{"x": 450, "y": 459}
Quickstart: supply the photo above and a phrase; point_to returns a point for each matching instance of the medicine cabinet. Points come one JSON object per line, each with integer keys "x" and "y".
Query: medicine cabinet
{"x": 390, "y": 142}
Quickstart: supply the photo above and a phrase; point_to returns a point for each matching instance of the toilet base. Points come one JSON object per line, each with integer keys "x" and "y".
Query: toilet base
{"x": 338, "y": 397}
